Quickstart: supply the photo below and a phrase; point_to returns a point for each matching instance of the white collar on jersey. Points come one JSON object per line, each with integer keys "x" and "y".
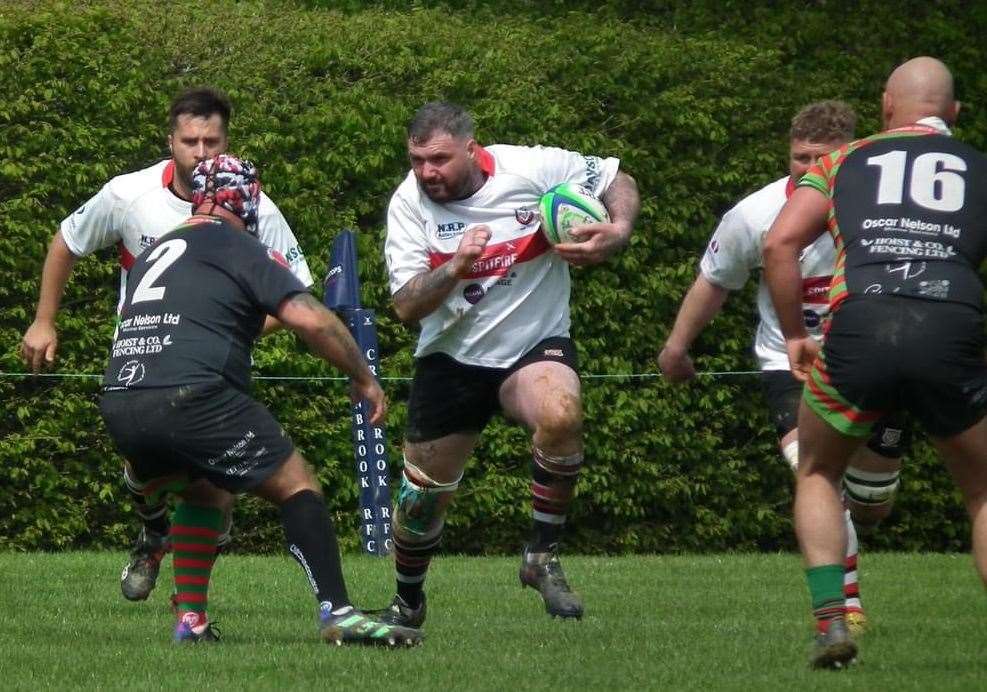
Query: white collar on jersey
{"x": 934, "y": 121}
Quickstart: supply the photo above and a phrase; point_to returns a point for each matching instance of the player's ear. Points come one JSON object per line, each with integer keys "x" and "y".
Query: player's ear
{"x": 171, "y": 147}
{"x": 887, "y": 108}
{"x": 954, "y": 113}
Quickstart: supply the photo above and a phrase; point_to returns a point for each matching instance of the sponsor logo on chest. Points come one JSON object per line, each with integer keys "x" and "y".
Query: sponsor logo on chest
{"x": 446, "y": 231}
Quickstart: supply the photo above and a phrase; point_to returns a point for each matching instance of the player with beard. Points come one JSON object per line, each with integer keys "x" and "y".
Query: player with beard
{"x": 176, "y": 397}
{"x": 132, "y": 211}
{"x": 468, "y": 262}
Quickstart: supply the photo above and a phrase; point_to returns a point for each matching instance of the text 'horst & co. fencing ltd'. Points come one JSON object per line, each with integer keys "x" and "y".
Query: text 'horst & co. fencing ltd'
{"x": 342, "y": 295}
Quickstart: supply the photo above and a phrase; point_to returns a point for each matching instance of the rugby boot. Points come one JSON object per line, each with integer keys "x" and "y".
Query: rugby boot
{"x": 193, "y": 628}
{"x": 833, "y": 648}
{"x": 141, "y": 573}
{"x": 353, "y": 627}
{"x": 400, "y": 613}
{"x": 543, "y": 572}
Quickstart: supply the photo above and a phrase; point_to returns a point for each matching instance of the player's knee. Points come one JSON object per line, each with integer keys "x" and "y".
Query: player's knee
{"x": 421, "y": 506}
{"x": 293, "y": 476}
{"x": 204, "y": 494}
{"x": 870, "y": 494}
{"x": 561, "y": 419}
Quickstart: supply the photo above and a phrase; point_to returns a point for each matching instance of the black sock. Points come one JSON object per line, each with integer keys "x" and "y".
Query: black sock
{"x": 411, "y": 561}
{"x": 411, "y": 594}
{"x": 551, "y": 495}
{"x": 544, "y": 538}
{"x": 312, "y": 541}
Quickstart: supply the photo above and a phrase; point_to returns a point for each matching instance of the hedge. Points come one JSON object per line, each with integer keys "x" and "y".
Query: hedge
{"x": 694, "y": 98}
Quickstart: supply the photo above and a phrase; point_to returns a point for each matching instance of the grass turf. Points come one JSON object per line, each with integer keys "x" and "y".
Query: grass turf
{"x": 682, "y": 622}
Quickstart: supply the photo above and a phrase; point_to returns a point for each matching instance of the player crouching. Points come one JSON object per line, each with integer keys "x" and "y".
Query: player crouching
{"x": 176, "y": 403}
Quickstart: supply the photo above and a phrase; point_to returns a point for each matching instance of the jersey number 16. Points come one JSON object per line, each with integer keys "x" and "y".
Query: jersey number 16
{"x": 935, "y": 183}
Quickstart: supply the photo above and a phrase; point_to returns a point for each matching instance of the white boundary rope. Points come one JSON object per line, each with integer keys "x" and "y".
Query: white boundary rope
{"x": 286, "y": 378}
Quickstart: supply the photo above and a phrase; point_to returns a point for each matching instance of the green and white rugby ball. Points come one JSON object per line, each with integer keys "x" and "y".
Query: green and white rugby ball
{"x": 566, "y": 206}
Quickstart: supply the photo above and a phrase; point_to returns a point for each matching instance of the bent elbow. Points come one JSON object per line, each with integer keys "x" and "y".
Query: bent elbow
{"x": 772, "y": 248}
{"x": 405, "y": 313}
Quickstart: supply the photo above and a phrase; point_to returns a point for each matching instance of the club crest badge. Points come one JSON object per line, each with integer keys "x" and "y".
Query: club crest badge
{"x": 524, "y": 216}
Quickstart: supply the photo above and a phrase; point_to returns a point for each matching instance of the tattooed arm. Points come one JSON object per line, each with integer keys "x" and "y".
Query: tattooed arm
{"x": 596, "y": 242}
{"x": 328, "y": 338}
{"x": 424, "y": 293}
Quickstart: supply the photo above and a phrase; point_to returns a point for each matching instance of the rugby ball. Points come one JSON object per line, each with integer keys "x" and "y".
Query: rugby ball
{"x": 566, "y": 206}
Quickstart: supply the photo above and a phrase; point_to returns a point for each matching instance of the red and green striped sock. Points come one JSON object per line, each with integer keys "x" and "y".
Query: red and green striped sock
{"x": 826, "y": 590}
{"x": 194, "y": 532}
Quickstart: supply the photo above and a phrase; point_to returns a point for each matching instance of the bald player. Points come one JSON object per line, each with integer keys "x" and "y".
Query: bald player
{"x": 907, "y": 210}
{"x": 733, "y": 254}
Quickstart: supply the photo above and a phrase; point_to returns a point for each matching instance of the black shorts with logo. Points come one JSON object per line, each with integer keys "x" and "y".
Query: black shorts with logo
{"x": 210, "y": 431}
{"x": 887, "y": 353}
{"x": 449, "y": 397}
{"x": 891, "y": 437}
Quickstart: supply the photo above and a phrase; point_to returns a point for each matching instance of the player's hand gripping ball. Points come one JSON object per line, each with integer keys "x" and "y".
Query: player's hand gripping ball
{"x": 566, "y": 206}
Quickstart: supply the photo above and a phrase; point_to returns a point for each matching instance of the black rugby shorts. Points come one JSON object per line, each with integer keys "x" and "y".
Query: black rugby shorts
{"x": 449, "y": 397}
{"x": 210, "y": 431}
{"x": 885, "y": 353}
{"x": 891, "y": 437}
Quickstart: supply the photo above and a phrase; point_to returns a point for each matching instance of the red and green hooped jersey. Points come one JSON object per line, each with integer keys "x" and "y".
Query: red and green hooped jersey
{"x": 908, "y": 215}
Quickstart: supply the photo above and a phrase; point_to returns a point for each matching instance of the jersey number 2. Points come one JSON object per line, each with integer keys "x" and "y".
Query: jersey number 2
{"x": 935, "y": 182}
{"x": 163, "y": 255}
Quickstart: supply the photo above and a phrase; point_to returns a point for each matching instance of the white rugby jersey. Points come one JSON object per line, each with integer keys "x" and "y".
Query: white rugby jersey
{"x": 135, "y": 209}
{"x": 518, "y": 291}
{"x": 735, "y": 250}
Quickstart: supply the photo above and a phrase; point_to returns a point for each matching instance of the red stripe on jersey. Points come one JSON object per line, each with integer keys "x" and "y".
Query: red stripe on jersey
{"x": 815, "y": 289}
{"x": 126, "y": 259}
{"x": 278, "y": 257}
{"x": 790, "y": 187}
{"x": 485, "y": 160}
{"x": 924, "y": 129}
{"x": 498, "y": 259}
{"x": 168, "y": 174}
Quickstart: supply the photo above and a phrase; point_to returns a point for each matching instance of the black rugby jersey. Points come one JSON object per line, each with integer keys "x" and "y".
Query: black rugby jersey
{"x": 195, "y": 302}
{"x": 908, "y": 214}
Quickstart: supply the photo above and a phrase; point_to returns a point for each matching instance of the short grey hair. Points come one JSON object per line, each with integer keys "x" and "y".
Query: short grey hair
{"x": 440, "y": 116}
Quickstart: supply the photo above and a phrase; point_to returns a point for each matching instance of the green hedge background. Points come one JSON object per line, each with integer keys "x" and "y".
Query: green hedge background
{"x": 695, "y": 98}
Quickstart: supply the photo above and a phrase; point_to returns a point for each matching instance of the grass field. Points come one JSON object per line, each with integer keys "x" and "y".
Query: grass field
{"x": 685, "y": 622}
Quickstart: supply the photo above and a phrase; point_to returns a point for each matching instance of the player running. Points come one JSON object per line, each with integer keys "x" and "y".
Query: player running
{"x": 176, "y": 396}
{"x": 467, "y": 260}
{"x": 132, "y": 211}
{"x": 907, "y": 211}
{"x": 733, "y": 253}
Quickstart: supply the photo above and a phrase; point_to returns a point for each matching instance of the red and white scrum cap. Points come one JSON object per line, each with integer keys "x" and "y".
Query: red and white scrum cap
{"x": 231, "y": 183}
